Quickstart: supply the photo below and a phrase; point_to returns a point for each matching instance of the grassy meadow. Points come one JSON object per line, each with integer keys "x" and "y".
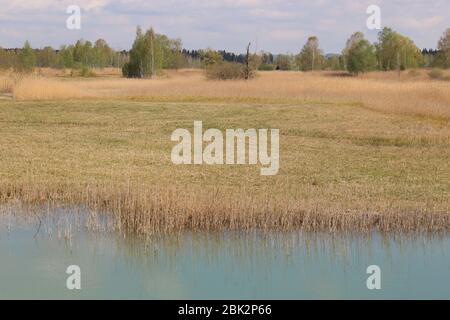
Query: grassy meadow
{"x": 356, "y": 153}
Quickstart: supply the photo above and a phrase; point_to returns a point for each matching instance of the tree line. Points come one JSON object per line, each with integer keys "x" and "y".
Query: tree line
{"x": 79, "y": 55}
{"x": 392, "y": 51}
{"x": 152, "y": 52}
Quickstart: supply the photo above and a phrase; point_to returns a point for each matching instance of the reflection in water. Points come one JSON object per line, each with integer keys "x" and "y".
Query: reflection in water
{"x": 36, "y": 249}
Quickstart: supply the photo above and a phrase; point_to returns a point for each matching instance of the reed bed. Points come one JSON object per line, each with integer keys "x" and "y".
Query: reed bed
{"x": 384, "y": 92}
{"x": 34, "y": 88}
{"x": 147, "y": 211}
{"x": 6, "y": 85}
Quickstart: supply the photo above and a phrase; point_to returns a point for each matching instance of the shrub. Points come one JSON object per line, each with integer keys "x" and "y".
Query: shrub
{"x": 85, "y": 71}
{"x": 131, "y": 70}
{"x": 226, "y": 71}
{"x": 266, "y": 67}
{"x": 436, "y": 74}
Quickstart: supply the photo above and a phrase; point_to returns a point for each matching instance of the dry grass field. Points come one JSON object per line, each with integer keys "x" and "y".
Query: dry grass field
{"x": 412, "y": 93}
{"x": 357, "y": 154}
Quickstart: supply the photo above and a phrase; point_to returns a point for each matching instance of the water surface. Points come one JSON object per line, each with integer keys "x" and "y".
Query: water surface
{"x": 34, "y": 257}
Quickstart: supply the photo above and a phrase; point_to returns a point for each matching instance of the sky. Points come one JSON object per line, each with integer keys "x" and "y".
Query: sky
{"x": 278, "y": 26}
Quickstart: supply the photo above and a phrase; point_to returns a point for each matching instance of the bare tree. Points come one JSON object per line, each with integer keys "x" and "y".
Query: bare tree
{"x": 247, "y": 69}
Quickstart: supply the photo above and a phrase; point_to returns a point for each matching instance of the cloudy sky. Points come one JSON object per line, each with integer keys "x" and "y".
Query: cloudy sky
{"x": 275, "y": 25}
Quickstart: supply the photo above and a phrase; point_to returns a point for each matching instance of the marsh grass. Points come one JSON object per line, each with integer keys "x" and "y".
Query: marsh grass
{"x": 383, "y": 92}
{"x": 149, "y": 211}
{"x": 34, "y": 88}
{"x": 6, "y": 85}
{"x": 343, "y": 167}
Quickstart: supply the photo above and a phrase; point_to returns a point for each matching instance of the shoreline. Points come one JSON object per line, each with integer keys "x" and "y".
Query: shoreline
{"x": 156, "y": 211}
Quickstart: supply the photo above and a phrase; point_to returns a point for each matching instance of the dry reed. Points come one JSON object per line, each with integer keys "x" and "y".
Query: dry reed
{"x": 383, "y": 92}
{"x": 6, "y": 85}
{"x": 144, "y": 210}
{"x": 34, "y": 88}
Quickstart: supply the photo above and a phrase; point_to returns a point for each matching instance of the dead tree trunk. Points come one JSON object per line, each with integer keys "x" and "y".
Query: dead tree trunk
{"x": 247, "y": 70}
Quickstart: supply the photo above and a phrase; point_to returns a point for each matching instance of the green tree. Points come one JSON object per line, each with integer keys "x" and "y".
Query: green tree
{"x": 65, "y": 57}
{"x": 150, "y": 53}
{"x": 396, "y": 52}
{"x": 355, "y": 37}
{"x": 210, "y": 57}
{"x": 47, "y": 58}
{"x": 154, "y": 59}
{"x": 78, "y": 51}
{"x": 361, "y": 57}
{"x": 119, "y": 59}
{"x": 444, "y": 49}
{"x": 27, "y": 58}
{"x": 284, "y": 62}
{"x": 334, "y": 62}
{"x": 83, "y": 54}
{"x": 102, "y": 54}
{"x": 170, "y": 51}
{"x": 311, "y": 57}
{"x": 134, "y": 68}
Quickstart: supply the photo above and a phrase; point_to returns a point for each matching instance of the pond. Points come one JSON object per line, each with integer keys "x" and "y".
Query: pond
{"x": 36, "y": 253}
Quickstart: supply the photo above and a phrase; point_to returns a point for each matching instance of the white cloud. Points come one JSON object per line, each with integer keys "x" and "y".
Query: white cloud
{"x": 425, "y": 23}
{"x": 279, "y": 25}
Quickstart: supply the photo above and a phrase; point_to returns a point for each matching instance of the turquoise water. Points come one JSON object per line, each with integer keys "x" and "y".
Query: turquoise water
{"x": 34, "y": 259}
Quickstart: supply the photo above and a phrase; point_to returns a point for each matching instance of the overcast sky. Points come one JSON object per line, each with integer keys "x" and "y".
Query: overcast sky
{"x": 278, "y": 26}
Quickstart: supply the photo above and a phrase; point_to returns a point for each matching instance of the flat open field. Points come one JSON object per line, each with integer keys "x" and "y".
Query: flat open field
{"x": 355, "y": 153}
{"x": 411, "y": 93}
